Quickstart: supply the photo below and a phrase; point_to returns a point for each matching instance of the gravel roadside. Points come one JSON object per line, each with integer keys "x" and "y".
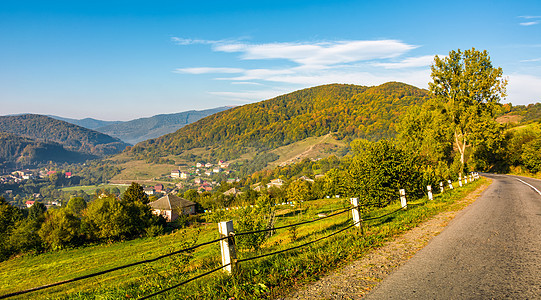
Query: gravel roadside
{"x": 358, "y": 278}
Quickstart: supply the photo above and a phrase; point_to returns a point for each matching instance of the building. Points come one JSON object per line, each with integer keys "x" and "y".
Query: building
{"x": 158, "y": 188}
{"x": 29, "y": 203}
{"x": 175, "y": 174}
{"x": 149, "y": 191}
{"x": 276, "y": 183}
{"x": 171, "y": 207}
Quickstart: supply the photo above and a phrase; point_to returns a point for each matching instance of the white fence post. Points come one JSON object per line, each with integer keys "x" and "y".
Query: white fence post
{"x": 441, "y": 187}
{"x": 429, "y": 189}
{"x": 460, "y": 180}
{"x": 450, "y": 184}
{"x": 403, "y": 198}
{"x": 229, "y": 255}
{"x": 356, "y": 213}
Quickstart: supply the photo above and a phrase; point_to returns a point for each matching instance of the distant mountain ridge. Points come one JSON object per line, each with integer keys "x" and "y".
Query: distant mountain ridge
{"x": 138, "y": 130}
{"x": 71, "y": 137}
{"x": 345, "y": 110}
{"x": 89, "y": 123}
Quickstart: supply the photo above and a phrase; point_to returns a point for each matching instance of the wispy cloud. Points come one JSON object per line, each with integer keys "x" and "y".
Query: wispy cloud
{"x": 411, "y": 62}
{"x": 209, "y": 70}
{"x": 301, "y": 64}
{"x": 322, "y": 53}
{"x": 530, "y": 23}
{"x": 530, "y": 60}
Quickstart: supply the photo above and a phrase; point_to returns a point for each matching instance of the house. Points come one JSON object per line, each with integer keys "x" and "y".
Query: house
{"x": 29, "y": 203}
{"x": 208, "y": 165}
{"x": 158, "y": 188}
{"x": 208, "y": 173}
{"x": 306, "y": 179}
{"x": 197, "y": 180}
{"x": 199, "y": 165}
{"x": 68, "y": 175}
{"x": 232, "y": 191}
{"x": 184, "y": 175}
{"x": 276, "y": 183}
{"x": 175, "y": 174}
{"x": 171, "y": 207}
{"x": 217, "y": 170}
{"x": 149, "y": 191}
{"x": 224, "y": 165}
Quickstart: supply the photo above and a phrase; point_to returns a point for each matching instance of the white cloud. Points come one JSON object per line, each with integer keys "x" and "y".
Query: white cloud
{"x": 323, "y": 53}
{"x": 182, "y": 41}
{"x": 209, "y": 70}
{"x": 250, "y": 96}
{"x": 523, "y": 89}
{"x": 530, "y": 60}
{"x": 411, "y": 62}
{"x": 529, "y": 23}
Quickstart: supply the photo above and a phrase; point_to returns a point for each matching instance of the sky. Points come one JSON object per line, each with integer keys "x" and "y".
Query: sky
{"x": 122, "y": 60}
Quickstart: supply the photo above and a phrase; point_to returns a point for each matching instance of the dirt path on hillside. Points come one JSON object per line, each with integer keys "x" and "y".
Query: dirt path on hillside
{"x": 356, "y": 279}
{"x": 305, "y": 152}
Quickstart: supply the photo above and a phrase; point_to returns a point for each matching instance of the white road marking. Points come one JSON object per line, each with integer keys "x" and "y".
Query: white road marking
{"x": 533, "y": 187}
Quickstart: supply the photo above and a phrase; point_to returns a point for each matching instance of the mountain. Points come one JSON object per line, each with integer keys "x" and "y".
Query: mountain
{"x": 70, "y": 136}
{"x": 89, "y": 123}
{"x": 348, "y": 111}
{"x": 138, "y": 130}
{"x": 16, "y": 150}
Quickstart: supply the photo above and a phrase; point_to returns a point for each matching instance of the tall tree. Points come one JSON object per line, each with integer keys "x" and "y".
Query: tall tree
{"x": 134, "y": 193}
{"x": 467, "y": 86}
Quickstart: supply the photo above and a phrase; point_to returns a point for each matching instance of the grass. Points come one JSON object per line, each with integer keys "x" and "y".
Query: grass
{"x": 90, "y": 189}
{"x": 267, "y": 277}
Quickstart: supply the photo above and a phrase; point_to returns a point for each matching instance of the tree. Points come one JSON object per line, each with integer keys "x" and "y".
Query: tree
{"x": 468, "y": 87}
{"x": 134, "y": 193}
{"x": 76, "y": 205}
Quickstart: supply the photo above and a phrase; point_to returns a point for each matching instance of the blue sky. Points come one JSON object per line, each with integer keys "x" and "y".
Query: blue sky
{"x": 120, "y": 60}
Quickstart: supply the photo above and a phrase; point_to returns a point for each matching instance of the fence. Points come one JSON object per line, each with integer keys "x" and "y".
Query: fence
{"x": 227, "y": 242}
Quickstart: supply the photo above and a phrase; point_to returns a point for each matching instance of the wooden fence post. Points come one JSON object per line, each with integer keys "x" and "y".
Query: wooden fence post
{"x": 429, "y": 189}
{"x": 441, "y": 187}
{"x": 355, "y": 212}
{"x": 403, "y": 202}
{"x": 460, "y": 180}
{"x": 450, "y": 184}
{"x": 229, "y": 255}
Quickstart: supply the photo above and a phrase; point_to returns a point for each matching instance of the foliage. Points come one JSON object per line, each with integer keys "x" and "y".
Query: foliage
{"x": 467, "y": 88}
{"x": 531, "y": 155}
{"x": 61, "y": 229}
{"x": 135, "y": 193}
{"x": 76, "y": 205}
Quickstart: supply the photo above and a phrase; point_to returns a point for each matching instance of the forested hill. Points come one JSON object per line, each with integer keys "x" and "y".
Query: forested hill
{"x": 72, "y": 137}
{"x": 22, "y": 151}
{"x": 345, "y": 110}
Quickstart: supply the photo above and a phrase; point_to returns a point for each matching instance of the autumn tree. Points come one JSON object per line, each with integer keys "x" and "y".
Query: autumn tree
{"x": 468, "y": 87}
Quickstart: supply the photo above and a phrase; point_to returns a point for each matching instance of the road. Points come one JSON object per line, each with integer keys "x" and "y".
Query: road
{"x": 492, "y": 250}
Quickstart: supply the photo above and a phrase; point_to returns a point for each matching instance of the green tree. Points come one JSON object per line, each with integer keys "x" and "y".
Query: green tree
{"x": 531, "y": 157}
{"x": 36, "y": 211}
{"x": 134, "y": 193}
{"x": 76, "y": 205}
{"x": 298, "y": 190}
{"x": 467, "y": 86}
{"x": 61, "y": 229}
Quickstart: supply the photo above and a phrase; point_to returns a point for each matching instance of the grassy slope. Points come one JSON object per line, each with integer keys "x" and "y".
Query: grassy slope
{"x": 262, "y": 278}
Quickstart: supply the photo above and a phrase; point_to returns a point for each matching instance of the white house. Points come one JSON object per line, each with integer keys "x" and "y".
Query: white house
{"x": 171, "y": 207}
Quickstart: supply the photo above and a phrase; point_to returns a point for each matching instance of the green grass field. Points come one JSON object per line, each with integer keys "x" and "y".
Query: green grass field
{"x": 91, "y": 189}
{"x": 267, "y": 277}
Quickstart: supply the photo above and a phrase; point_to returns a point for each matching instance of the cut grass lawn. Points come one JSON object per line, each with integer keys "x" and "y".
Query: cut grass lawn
{"x": 262, "y": 278}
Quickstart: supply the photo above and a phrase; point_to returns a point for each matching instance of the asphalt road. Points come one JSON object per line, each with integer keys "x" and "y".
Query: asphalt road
{"x": 491, "y": 250}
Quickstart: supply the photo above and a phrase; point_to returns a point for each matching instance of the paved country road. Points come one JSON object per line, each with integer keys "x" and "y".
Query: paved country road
{"x": 490, "y": 251}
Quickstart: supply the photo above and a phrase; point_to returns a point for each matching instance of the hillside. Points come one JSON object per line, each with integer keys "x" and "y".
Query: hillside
{"x": 138, "y": 130}
{"x": 21, "y": 151}
{"x": 89, "y": 123}
{"x": 70, "y": 136}
{"x": 348, "y": 111}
